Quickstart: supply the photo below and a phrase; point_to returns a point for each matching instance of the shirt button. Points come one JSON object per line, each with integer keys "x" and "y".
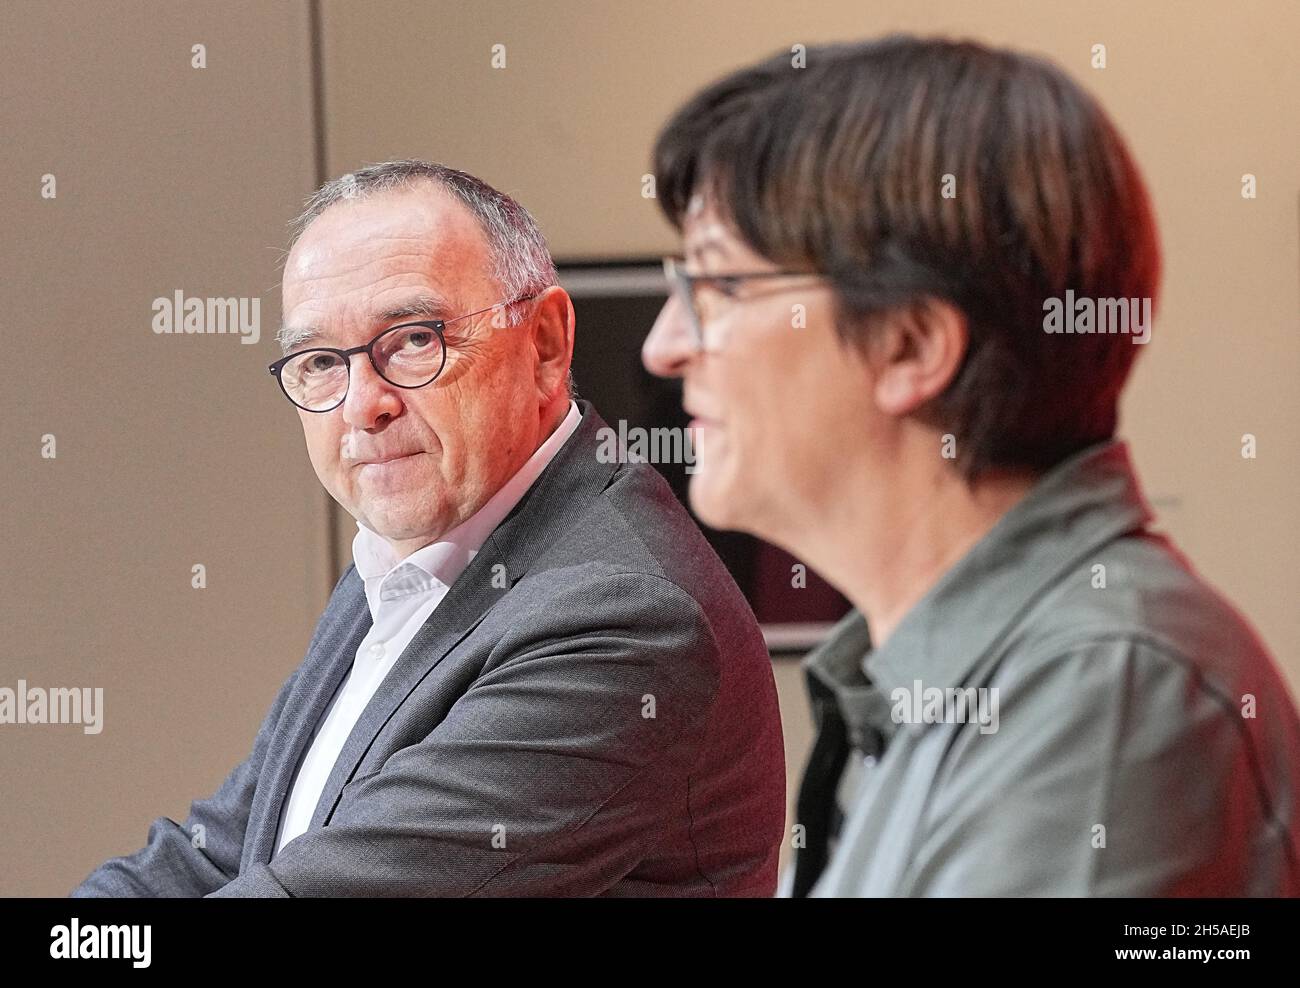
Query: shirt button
{"x": 376, "y": 651}
{"x": 869, "y": 761}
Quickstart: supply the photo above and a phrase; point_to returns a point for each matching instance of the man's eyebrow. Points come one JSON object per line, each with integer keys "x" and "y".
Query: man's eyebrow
{"x": 292, "y": 337}
{"x": 426, "y": 305}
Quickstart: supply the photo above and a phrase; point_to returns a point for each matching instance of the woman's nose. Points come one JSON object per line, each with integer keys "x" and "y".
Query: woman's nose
{"x": 671, "y": 343}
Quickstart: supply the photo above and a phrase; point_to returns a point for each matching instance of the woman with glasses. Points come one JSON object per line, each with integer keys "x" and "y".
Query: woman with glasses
{"x": 1034, "y": 694}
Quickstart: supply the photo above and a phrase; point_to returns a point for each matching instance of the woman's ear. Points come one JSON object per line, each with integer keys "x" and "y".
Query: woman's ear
{"x": 552, "y": 337}
{"x": 915, "y": 353}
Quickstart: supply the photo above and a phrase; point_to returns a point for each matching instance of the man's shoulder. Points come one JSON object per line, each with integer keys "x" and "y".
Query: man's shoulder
{"x": 637, "y": 523}
{"x": 635, "y": 531}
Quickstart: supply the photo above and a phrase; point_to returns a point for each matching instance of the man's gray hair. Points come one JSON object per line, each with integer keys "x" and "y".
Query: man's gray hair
{"x": 521, "y": 261}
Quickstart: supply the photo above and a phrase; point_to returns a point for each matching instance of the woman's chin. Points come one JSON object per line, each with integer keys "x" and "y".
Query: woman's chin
{"x": 713, "y": 503}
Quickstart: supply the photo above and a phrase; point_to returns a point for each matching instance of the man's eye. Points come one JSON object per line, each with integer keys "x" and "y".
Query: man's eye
{"x": 418, "y": 340}
{"x": 322, "y": 362}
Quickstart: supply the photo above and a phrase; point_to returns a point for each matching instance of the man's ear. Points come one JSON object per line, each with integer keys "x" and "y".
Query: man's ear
{"x": 915, "y": 353}
{"x": 552, "y": 340}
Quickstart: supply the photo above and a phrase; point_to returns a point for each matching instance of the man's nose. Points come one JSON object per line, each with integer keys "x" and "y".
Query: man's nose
{"x": 371, "y": 401}
{"x": 671, "y": 343}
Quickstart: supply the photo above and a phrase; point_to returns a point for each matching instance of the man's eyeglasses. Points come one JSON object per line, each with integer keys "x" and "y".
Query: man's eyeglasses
{"x": 704, "y": 295}
{"x": 411, "y": 355}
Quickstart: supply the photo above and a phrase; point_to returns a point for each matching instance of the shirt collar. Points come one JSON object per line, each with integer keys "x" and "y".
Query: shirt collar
{"x": 388, "y": 577}
{"x": 1079, "y": 505}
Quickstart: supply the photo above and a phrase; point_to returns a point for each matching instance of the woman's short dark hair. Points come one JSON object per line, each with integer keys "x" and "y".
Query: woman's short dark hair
{"x": 840, "y": 167}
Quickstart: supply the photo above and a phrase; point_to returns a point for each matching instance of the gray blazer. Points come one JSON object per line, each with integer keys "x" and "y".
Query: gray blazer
{"x": 589, "y": 711}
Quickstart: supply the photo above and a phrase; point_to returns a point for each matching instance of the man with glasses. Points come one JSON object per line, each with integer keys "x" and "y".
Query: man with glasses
{"x": 536, "y": 678}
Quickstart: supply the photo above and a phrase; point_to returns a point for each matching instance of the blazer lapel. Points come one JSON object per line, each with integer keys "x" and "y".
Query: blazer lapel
{"x": 326, "y": 665}
{"x": 457, "y": 614}
{"x": 574, "y": 477}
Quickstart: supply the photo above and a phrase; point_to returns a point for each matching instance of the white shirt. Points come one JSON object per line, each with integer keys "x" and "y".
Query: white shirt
{"x": 401, "y": 593}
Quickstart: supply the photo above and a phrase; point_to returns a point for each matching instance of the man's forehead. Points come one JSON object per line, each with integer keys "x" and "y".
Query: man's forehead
{"x": 420, "y": 222}
{"x": 365, "y": 262}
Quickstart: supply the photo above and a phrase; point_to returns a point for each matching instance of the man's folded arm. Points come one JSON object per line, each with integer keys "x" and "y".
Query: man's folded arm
{"x": 203, "y": 854}
{"x": 550, "y": 775}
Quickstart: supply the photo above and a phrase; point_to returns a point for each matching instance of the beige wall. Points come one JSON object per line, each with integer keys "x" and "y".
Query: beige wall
{"x": 177, "y": 450}
{"x": 171, "y": 450}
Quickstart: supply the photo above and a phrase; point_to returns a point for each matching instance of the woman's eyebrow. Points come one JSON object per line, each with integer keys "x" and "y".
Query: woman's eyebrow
{"x": 707, "y": 245}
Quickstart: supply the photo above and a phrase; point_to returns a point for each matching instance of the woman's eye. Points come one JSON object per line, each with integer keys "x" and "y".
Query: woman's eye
{"x": 727, "y": 286}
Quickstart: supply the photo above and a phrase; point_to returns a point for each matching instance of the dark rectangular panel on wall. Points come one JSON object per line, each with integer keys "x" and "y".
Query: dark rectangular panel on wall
{"x": 615, "y": 305}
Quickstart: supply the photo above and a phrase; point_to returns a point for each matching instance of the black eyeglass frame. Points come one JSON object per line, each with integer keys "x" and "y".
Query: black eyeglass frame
{"x": 684, "y": 284}
{"x": 437, "y": 325}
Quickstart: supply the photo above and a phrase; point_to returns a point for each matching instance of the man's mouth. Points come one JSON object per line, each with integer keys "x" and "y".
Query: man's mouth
{"x": 390, "y": 469}
{"x": 386, "y": 458}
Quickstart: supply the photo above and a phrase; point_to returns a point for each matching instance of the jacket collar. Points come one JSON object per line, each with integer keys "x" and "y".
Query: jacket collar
{"x": 1078, "y": 506}
{"x": 573, "y": 478}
